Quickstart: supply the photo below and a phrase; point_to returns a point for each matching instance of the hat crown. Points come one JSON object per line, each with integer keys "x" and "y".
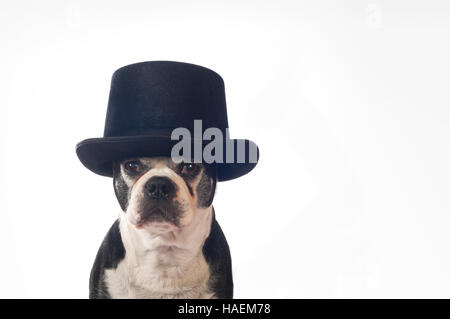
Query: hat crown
{"x": 149, "y": 96}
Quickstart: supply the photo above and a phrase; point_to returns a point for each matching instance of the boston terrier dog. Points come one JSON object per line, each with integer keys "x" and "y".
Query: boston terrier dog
{"x": 166, "y": 242}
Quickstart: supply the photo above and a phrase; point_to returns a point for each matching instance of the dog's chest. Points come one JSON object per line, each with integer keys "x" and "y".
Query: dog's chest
{"x": 149, "y": 280}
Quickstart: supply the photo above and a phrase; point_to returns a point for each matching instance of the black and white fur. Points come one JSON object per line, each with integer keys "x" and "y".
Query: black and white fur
{"x": 166, "y": 242}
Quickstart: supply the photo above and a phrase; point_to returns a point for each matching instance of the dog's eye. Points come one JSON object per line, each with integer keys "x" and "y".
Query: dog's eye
{"x": 132, "y": 167}
{"x": 189, "y": 168}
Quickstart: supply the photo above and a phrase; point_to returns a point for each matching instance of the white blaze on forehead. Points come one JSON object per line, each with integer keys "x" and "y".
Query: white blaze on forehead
{"x": 156, "y": 162}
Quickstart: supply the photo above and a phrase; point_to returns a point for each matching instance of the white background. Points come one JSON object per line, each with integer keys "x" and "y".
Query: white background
{"x": 349, "y": 102}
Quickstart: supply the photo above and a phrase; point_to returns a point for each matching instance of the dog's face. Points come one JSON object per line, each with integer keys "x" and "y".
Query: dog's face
{"x": 158, "y": 190}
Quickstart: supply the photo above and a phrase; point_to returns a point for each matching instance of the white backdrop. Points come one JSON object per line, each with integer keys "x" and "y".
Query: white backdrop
{"x": 349, "y": 102}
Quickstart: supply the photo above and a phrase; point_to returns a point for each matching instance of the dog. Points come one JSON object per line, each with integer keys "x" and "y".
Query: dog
{"x": 166, "y": 242}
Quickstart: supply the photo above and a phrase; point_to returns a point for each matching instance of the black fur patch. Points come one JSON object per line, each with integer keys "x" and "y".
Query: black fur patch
{"x": 120, "y": 187}
{"x": 109, "y": 255}
{"x": 207, "y": 186}
{"x": 217, "y": 255}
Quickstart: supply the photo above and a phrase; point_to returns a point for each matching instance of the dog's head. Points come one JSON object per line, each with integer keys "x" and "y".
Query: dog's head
{"x": 156, "y": 189}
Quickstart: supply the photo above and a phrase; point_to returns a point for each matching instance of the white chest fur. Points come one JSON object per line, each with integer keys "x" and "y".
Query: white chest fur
{"x": 162, "y": 262}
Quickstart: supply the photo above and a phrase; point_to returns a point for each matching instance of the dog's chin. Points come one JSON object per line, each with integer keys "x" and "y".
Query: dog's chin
{"x": 156, "y": 228}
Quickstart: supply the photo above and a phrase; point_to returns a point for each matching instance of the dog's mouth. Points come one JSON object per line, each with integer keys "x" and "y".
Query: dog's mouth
{"x": 157, "y": 214}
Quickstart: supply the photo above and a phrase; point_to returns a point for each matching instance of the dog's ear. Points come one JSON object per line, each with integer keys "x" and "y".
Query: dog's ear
{"x": 206, "y": 187}
{"x": 120, "y": 187}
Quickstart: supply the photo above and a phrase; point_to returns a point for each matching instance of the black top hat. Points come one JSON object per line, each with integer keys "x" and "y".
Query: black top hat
{"x": 147, "y": 102}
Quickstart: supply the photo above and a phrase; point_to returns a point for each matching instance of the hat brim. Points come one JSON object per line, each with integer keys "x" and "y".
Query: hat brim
{"x": 98, "y": 154}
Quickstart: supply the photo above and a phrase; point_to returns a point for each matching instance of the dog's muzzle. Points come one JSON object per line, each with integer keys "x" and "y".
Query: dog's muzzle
{"x": 159, "y": 203}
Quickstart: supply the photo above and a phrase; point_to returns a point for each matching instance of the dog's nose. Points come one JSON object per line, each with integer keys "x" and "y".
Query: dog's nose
{"x": 159, "y": 187}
